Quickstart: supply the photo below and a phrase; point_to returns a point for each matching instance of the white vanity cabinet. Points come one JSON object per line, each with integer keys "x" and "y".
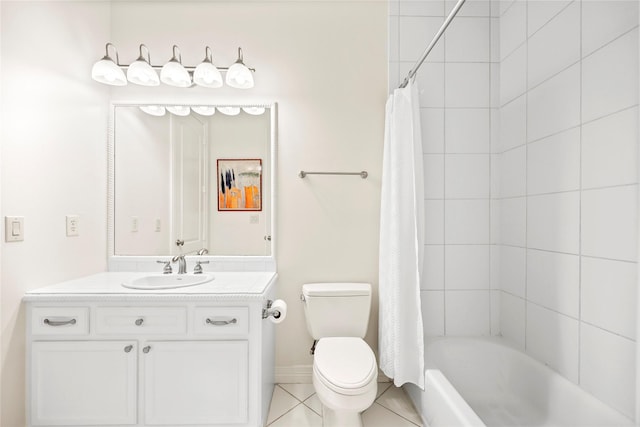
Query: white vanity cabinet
{"x": 119, "y": 360}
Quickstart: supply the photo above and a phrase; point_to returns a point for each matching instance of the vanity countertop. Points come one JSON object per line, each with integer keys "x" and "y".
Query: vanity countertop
{"x": 108, "y": 286}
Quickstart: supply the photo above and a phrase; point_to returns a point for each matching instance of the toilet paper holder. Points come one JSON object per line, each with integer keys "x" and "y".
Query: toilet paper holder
{"x": 268, "y": 311}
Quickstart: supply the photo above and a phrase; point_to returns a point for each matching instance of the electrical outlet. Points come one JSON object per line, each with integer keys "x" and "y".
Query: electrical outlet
{"x": 254, "y": 219}
{"x": 73, "y": 225}
{"x": 134, "y": 224}
{"x": 158, "y": 225}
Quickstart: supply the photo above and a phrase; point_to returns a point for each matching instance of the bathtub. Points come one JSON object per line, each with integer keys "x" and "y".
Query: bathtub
{"x": 483, "y": 382}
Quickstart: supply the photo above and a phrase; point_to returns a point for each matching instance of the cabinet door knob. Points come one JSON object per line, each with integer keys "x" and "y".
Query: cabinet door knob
{"x": 59, "y": 322}
{"x": 128, "y": 348}
{"x": 139, "y": 322}
{"x": 221, "y": 322}
{"x": 146, "y": 349}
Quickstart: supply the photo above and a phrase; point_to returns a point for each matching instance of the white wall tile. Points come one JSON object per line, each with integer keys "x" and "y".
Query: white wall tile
{"x": 604, "y": 21}
{"x": 467, "y": 222}
{"x": 494, "y": 270}
{"x": 609, "y": 222}
{"x": 513, "y": 170}
{"x": 513, "y": 270}
{"x": 495, "y": 221}
{"x": 540, "y": 12}
{"x": 434, "y": 222}
{"x": 553, "y": 163}
{"x": 513, "y": 221}
{"x": 609, "y": 290}
{"x": 430, "y": 79}
{"x": 512, "y": 319}
{"x": 553, "y": 222}
{"x": 555, "y": 46}
{"x": 433, "y": 176}
{"x": 513, "y": 28}
{"x": 513, "y": 124}
{"x": 433, "y": 274}
{"x": 432, "y": 312}
{"x": 467, "y": 176}
{"x": 468, "y": 40}
{"x": 495, "y": 130}
{"x": 467, "y": 130}
{"x": 610, "y": 78}
{"x": 394, "y": 7}
{"x": 421, "y": 8}
{"x": 394, "y": 76}
{"x": 554, "y": 106}
{"x": 607, "y": 368}
{"x": 495, "y": 40}
{"x": 494, "y": 96}
{"x": 467, "y": 267}
{"x": 553, "y": 281}
{"x": 468, "y": 313}
{"x": 495, "y": 312}
{"x": 432, "y": 127}
{"x": 415, "y": 35}
{"x": 470, "y": 8}
{"x": 513, "y": 75}
{"x": 467, "y": 85}
{"x": 553, "y": 339}
{"x": 393, "y": 43}
{"x": 610, "y": 150}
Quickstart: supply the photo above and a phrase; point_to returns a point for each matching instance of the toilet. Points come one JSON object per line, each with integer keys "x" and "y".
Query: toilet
{"x": 344, "y": 367}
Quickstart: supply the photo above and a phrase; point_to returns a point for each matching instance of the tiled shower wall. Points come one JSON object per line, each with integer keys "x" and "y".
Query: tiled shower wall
{"x": 565, "y": 189}
{"x": 530, "y": 135}
{"x": 456, "y": 109}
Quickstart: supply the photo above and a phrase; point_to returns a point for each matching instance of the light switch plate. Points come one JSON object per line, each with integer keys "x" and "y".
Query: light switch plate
{"x": 13, "y": 228}
{"x": 73, "y": 225}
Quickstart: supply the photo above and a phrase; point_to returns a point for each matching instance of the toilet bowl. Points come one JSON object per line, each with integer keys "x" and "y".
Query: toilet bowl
{"x": 344, "y": 378}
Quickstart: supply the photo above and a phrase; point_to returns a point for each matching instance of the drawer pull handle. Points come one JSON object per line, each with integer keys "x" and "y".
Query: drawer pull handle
{"x": 146, "y": 349}
{"x": 59, "y": 322}
{"x": 139, "y": 322}
{"x": 221, "y": 322}
{"x": 128, "y": 348}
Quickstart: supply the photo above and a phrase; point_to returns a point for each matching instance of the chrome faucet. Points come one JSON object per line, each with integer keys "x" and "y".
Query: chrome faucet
{"x": 182, "y": 263}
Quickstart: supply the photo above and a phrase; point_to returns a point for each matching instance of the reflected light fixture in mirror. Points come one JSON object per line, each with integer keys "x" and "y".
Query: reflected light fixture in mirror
{"x": 254, "y": 111}
{"x": 173, "y": 72}
{"x": 141, "y": 73}
{"x": 107, "y": 70}
{"x": 204, "y": 110}
{"x": 154, "y": 110}
{"x": 179, "y": 110}
{"x": 238, "y": 75}
{"x": 206, "y": 74}
{"x": 229, "y": 111}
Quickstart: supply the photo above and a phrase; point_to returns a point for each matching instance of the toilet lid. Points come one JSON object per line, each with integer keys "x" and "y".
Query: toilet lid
{"x": 344, "y": 364}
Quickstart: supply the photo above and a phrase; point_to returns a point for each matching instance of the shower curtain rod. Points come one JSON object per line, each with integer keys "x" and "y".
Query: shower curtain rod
{"x": 441, "y": 31}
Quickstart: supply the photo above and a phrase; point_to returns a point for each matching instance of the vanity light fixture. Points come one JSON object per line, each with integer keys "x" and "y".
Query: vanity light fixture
{"x": 154, "y": 110}
{"x": 229, "y": 111}
{"x": 141, "y": 72}
{"x": 108, "y": 71}
{"x": 179, "y": 110}
{"x": 254, "y": 111}
{"x": 204, "y": 110}
{"x": 173, "y": 73}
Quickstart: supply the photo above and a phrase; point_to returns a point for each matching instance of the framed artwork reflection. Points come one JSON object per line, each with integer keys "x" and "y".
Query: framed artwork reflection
{"x": 239, "y": 184}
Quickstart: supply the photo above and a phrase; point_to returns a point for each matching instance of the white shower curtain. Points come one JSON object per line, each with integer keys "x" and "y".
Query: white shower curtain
{"x": 400, "y": 338}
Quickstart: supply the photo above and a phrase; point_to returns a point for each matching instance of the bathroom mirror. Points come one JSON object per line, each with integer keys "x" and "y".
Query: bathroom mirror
{"x": 187, "y": 177}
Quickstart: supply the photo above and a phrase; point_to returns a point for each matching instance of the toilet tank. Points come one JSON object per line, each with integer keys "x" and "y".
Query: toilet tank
{"x": 337, "y": 309}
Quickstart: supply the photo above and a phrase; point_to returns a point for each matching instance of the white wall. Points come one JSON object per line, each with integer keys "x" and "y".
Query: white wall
{"x": 53, "y": 161}
{"x": 568, "y": 189}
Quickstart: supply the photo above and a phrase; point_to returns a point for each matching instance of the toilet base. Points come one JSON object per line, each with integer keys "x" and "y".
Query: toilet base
{"x": 331, "y": 418}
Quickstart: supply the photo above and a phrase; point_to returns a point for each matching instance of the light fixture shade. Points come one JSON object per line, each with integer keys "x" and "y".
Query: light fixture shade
{"x": 174, "y": 74}
{"x": 154, "y": 110}
{"x": 229, "y": 111}
{"x": 179, "y": 110}
{"x": 107, "y": 71}
{"x": 204, "y": 110}
{"x": 141, "y": 73}
{"x": 239, "y": 76}
{"x": 207, "y": 75}
{"x": 254, "y": 111}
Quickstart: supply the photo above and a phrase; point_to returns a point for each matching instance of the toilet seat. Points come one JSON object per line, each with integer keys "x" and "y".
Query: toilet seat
{"x": 345, "y": 365}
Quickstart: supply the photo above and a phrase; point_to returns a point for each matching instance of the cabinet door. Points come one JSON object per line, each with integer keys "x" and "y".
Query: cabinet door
{"x": 195, "y": 382}
{"x": 83, "y": 383}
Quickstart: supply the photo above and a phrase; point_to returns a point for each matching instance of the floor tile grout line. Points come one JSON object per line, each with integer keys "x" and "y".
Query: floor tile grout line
{"x": 299, "y": 403}
{"x": 395, "y": 413}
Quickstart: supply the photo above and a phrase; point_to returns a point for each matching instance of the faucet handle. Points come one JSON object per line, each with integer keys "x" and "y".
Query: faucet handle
{"x": 198, "y": 268}
{"x": 167, "y": 266}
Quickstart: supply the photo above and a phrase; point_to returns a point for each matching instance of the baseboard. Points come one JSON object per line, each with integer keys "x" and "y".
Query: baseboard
{"x": 302, "y": 374}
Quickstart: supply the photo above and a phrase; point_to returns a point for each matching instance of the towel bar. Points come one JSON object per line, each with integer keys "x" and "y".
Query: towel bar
{"x": 363, "y": 174}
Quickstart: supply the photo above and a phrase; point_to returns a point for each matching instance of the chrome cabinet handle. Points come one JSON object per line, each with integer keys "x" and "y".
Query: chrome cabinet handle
{"x": 139, "y": 322}
{"x": 59, "y": 322}
{"x": 221, "y": 322}
{"x": 128, "y": 348}
{"x": 146, "y": 349}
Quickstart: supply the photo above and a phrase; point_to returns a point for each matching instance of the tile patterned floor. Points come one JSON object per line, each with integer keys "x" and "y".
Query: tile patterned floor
{"x": 296, "y": 405}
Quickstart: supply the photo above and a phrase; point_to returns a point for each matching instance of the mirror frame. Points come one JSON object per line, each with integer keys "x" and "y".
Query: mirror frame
{"x": 229, "y": 263}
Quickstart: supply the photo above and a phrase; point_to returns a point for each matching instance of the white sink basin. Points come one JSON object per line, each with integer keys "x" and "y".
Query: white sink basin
{"x": 168, "y": 281}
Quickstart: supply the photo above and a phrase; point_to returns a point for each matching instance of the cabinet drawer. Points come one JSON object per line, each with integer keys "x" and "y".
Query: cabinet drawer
{"x": 221, "y": 320}
{"x": 60, "y": 320}
{"x": 141, "y": 320}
